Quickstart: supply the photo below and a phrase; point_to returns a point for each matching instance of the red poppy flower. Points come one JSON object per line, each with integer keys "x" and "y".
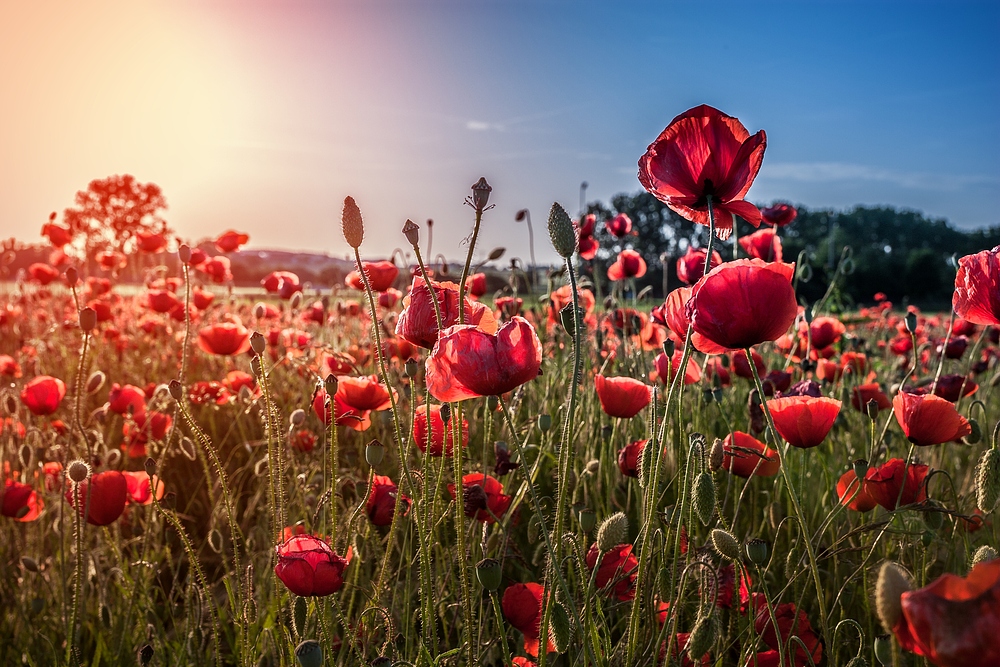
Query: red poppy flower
{"x": 201, "y": 299}
{"x": 417, "y": 322}
{"x": 302, "y": 440}
{"x": 381, "y": 276}
{"x": 359, "y": 420}
{"x": 954, "y": 620}
{"x": 619, "y": 568}
{"x": 928, "y": 419}
{"x": 145, "y": 427}
{"x": 741, "y": 366}
{"x": 825, "y": 331}
{"x": 467, "y": 362}
{"x": 628, "y": 458}
{"x": 226, "y": 338}
{"x": 977, "y": 288}
{"x": 128, "y": 398}
{"x": 43, "y": 394}
{"x": 508, "y": 306}
{"x": 953, "y": 387}
{"x": 623, "y": 397}
{"x": 790, "y": 621}
{"x": 382, "y": 501}
{"x": 522, "y": 607}
{"x": 20, "y": 502}
{"x": 43, "y": 274}
{"x": 862, "y": 394}
{"x": 218, "y": 268}
{"x": 439, "y": 432}
{"x": 282, "y": 283}
{"x": 847, "y": 485}
{"x": 586, "y": 245}
{"x": 779, "y": 215}
{"x": 629, "y": 264}
{"x": 108, "y": 495}
{"x": 956, "y": 347}
{"x": 802, "y": 420}
{"x": 209, "y": 391}
{"x": 620, "y": 225}
{"x": 680, "y": 643}
{"x": 57, "y": 235}
{"x": 562, "y": 297}
{"x": 745, "y": 455}
{"x": 363, "y": 393}
{"x": 691, "y": 266}
{"x": 885, "y": 483}
{"x": 309, "y": 567}
{"x": 518, "y": 661}
{"x": 763, "y": 244}
{"x": 476, "y": 284}
{"x": 691, "y": 375}
{"x": 705, "y": 153}
{"x": 726, "y": 579}
{"x": 743, "y": 303}
{"x": 230, "y": 241}
{"x": 162, "y": 301}
{"x": 9, "y": 367}
{"x": 140, "y": 487}
{"x": 675, "y": 314}
{"x": 482, "y": 497}
{"x": 150, "y": 241}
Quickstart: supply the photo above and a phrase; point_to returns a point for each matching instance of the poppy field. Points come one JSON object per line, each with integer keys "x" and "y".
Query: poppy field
{"x": 412, "y": 470}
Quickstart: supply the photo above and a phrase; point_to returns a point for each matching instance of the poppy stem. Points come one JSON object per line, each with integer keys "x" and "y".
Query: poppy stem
{"x": 468, "y": 264}
{"x": 711, "y": 236}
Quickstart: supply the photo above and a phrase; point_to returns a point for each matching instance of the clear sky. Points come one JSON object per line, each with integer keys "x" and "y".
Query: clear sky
{"x": 262, "y": 116}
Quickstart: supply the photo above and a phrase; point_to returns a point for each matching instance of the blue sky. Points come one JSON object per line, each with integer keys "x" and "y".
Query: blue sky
{"x": 263, "y": 116}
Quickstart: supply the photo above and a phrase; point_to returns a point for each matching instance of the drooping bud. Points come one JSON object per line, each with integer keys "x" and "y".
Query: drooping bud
{"x": 976, "y": 433}
{"x": 78, "y": 471}
{"x": 613, "y": 531}
{"x": 29, "y": 564}
{"x": 481, "y": 194}
{"x": 309, "y": 653}
{"x": 988, "y": 480}
{"x": 561, "y": 231}
{"x": 700, "y": 640}
{"x": 412, "y": 233}
{"x": 374, "y": 453}
{"x": 176, "y": 390}
{"x": 725, "y": 544}
{"x": 893, "y": 581}
{"x": 354, "y": 225}
{"x": 184, "y": 253}
{"x": 756, "y": 551}
{"x": 297, "y": 417}
{"x": 716, "y": 456}
{"x": 299, "y": 615}
{"x": 983, "y": 554}
{"x": 562, "y": 630}
{"x": 489, "y": 573}
{"x": 703, "y": 497}
{"x": 88, "y": 319}
{"x": 255, "y": 367}
{"x": 95, "y": 382}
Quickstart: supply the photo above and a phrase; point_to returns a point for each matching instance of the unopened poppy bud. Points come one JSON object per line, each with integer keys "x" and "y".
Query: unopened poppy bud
{"x": 860, "y": 468}
{"x": 145, "y": 655}
{"x": 330, "y": 384}
{"x": 725, "y": 544}
{"x": 871, "y": 407}
{"x": 593, "y": 466}
{"x": 410, "y": 368}
{"x": 984, "y": 554}
{"x": 78, "y": 471}
{"x": 299, "y": 615}
{"x": 703, "y": 497}
{"x": 561, "y": 231}
{"x": 911, "y": 321}
{"x": 481, "y": 194}
{"x": 893, "y": 581}
{"x": 259, "y": 311}
{"x": 544, "y": 422}
{"x": 354, "y": 225}
{"x": 95, "y": 382}
{"x": 374, "y": 453}
{"x": 489, "y": 573}
{"x": 29, "y": 564}
{"x": 412, "y": 233}
{"x": 716, "y": 455}
{"x": 668, "y": 347}
{"x": 176, "y": 390}
{"x": 613, "y": 531}
{"x": 446, "y": 413}
{"x": 309, "y": 653}
{"x": 976, "y": 433}
{"x": 255, "y": 367}
{"x": 807, "y": 314}
{"x": 492, "y": 403}
{"x": 588, "y": 519}
{"x": 150, "y": 466}
{"x": 756, "y": 551}
{"x": 184, "y": 253}
{"x": 883, "y": 649}
{"x": 561, "y": 629}
{"x": 296, "y": 301}
{"x": 88, "y": 319}
{"x": 988, "y": 480}
{"x": 297, "y": 417}
{"x": 700, "y": 640}
{"x": 72, "y": 275}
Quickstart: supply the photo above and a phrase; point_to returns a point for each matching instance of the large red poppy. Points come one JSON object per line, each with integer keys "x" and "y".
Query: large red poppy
{"x": 888, "y": 482}
{"x": 825, "y": 331}
{"x": 628, "y": 458}
{"x": 358, "y": 420}
{"x": 744, "y": 303}
{"x": 382, "y": 501}
{"x": 219, "y": 268}
{"x": 629, "y": 264}
{"x": 977, "y": 288}
{"x": 691, "y": 265}
{"x": 927, "y": 419}
{"x": 675, "y": 315}
{"x": 623, "y": 397}
{"x": 954, "y": 620}
{"x": 619, "y": 569}
{"x": 230, "y": 241}
{"x": 226, "y": 338}
{"x": 162, "y": 301}
{"x": 127, "y": 398}
{"x": 779, "y": 215}
{"x": 440, "y": 433}
{"x": 467, "y": 362}
{"x": 476, "y": 284}
{"x": 309, "y": 567}
{"x": 851, "y": 496}
{"x": 705, "y": 153}
{"x": 108, "y": 495}
{"x": 363, "y": 393}
{"x": 381, "y": 276}
{"x": 804, "y": 421}
{"x": 417, "y": 322}
{"x": 745, "y": 455}
{"x": 692, "y": 373}
{"x": 482, "y": 497}
{"x": 522, "y": 607}
{"x": 43, "y": 394}
{"x": 763, "y": 244}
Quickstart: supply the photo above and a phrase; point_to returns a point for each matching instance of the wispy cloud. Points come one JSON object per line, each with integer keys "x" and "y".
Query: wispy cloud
{"x": 483, "y": 126}
{"x": 819, "y": 172}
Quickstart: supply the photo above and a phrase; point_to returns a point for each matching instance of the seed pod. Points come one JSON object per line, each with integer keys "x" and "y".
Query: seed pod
{"x": 588, "y": 519}
{"x": 932, "y": 518}
{"x": 150, "y": 466}
{"x": 593, "y": 466}
{"x": 78, "y": 471}
{"x": 544, "y": 422}
{"x": 703, "y": 497}
{"x": 481, "y": 194}
{"x": 330, "y": 384}
{"x": 911, "y": 321}
{"x": 412, "y": 233}
{"x": 374, "y": 453}
{"x": 256, "y": 368}
{"x": 257, "y": 341}
{"x": 72, "y": 276}
{"x": 410, "y": 368}
{"x": 988, "y": 480}
{"x": 353, "y": 224}
{"x": 489, "y": 573}
{"x": 176, "y": 390}
{"x": 309, "y": 653}
{"x": 893, "y": 581}
{"x": 668, "y": 347}
{"x": 562, "y": 630}
{"x": 883, "y": 649}
{"x": 756, "y": 550}
{"x": 871, "y": 408}
{"x": 725, "y": 544}
{"x": 702, "y": 635}
{"x": 561, "y": 231}
{"x": 860, "y": 468}
{"x": 95, "y": 382}
{"x": 613, "y": 531}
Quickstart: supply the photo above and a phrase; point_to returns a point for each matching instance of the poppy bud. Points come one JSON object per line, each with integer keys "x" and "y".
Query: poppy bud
{"x": 716, "y": 456}
{"x": 184, "y": 253}
{"x": 259, "y": 310}
{"x": 88, "y": 319}
{"x": 703, "y": 497}
{"x": 725, "y": 544}
{"x": 544, "y": 422}
{"x": 374, "y": 453}
{"x": 410, "y": 368}
{"x": 95, "y": 382}
{"x": 669, "y": 347}
{"x": 29, "y": 564}
{"x": 593, "y": 466}
{"x": 893, "y": 581}
{"x": 977, "y": 432}
{"x": 72, "y": 275}
{"x": 78, "y": 471}
{"x": 481, "y": 194}
{"x": 299, "y": 615}
{"x": 492, "y": 403}
{"x": 807, "y": 315}
{"x": 489, "y": 573}
{"x": 176, "y": 390}
{"x": 561, "y": 628}
{"x": 255, "y": 367}
{"x": 446, "y": 413}
{"x": 988, "y": 480}
{"x": 309, "y": 653}
{"x": 983, "y": 554}
{"x": 700, "y": 640}
{"x": 871, "y": 408}
{"x": 297, "y": 417}
{"x": 561, "y": 231}
{"x": 613, "y": 531}
{"x": 883, "y": 649}
{"x": 330, "y": 384}
{"x": 756, "y": 551}
{"x": 354, "y": 225}
{"x": 911, "y": 321}
{"x": 145, "y": 655}
{"x": 587, "y": 518}
{"x": 150, "y": 466}
{"x": 412, "y": 233}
